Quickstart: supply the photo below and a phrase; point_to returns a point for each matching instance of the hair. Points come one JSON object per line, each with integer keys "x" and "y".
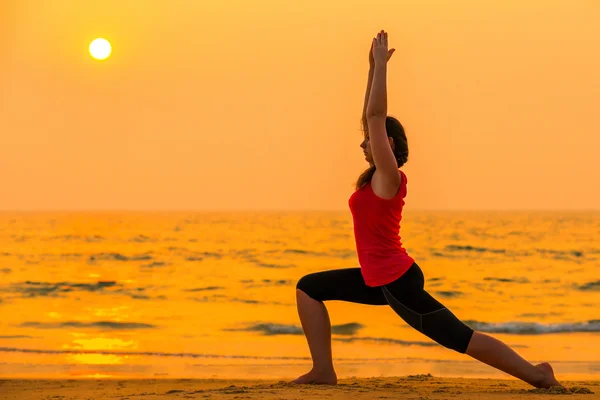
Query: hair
{"x": 395, "y": 130}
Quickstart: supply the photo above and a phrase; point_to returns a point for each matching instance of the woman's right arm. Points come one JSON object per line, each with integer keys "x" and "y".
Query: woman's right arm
{"x": 365, "y": 126}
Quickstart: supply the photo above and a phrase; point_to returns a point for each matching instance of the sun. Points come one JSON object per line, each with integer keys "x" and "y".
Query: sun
{"x": 100, "y": 49}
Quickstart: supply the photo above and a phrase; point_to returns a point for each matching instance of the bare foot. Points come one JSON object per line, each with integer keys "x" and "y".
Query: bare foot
{"x": 548, "y": 380}
{"x": 317, "y": 378}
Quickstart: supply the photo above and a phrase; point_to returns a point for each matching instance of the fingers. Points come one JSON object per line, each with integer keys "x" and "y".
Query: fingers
{"x": 381, "y": 39}
{"x": 379, "y": 48}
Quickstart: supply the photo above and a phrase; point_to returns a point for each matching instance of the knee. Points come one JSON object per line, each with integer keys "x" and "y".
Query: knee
{"x": 461, "y": 342}
{"x": 309, "y": 285}
{"x": 467, "y": 337}
{"x": 446, "y": 329}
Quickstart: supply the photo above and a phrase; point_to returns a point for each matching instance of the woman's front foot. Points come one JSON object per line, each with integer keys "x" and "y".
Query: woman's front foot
{"x": 314, "y": 377}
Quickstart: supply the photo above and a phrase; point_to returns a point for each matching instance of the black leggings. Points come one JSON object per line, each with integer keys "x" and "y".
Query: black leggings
{"x": 405, "y": 295}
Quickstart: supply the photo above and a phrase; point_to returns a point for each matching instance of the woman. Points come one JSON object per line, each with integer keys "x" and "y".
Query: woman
{"x": 388, "y": 275}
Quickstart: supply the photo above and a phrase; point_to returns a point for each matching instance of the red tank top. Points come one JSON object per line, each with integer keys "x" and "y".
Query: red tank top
{"x": 377, "y": 234}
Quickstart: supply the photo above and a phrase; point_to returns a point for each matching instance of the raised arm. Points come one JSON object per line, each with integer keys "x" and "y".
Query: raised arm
{"x": 383, "y": 155}
{"x": 365, "y": 126}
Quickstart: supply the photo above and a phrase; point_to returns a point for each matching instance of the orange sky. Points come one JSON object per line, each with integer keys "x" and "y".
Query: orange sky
{"x": 222, "y": 105}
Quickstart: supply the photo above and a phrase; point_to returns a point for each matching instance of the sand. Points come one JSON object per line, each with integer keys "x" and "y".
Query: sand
{"x": 418, "y": 387}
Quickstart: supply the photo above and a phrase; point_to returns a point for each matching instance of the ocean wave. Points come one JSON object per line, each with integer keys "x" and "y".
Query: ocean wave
{"x": 561, "y": 253}
{"x": 556, "y": 254}
{"x": 440, "y": 254}
{"x": 77, "y": 324}
{"x": 177, "y": 248}
{"x": 540, "y": 315}
{"x": 222, "y": 298}
{"x": 507, "y": 280}
{"x": 33, "y": 289}
{"x": 334, "y": 253}
{"x": 272, "y": 329}
{"x": 346, "y": 329}
{"x": 534, "y": 328}
{"x": 16, "y": 337}
{"x": 449, "y": 293}
{"x": 202, "y": 289}
{"x": 196, "y": 255}
{"x": 299, "y": 251}
{"x": 89, "y": 238}
{"x": 282, "y": 329}
{"x": 475, "y": 249}
{"x": 144, "y": 353}
{"x": 119, "y": 257}
{"x": 142, "y": 239}
{"x": 387, "y": 340}
{"x": 129, "y": 367}
{"x": 154, "y": 264}
{"x": 208, "y": 254}
{"x": 199, "y": 355}
{"x": 593, "y": 286}
{"x": 266, "y": 283}
{"x": 21, "y": 238}
{"x": 267, "y": 265}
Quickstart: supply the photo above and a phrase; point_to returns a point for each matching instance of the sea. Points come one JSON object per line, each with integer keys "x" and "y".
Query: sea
{"x": 212, "y": 294}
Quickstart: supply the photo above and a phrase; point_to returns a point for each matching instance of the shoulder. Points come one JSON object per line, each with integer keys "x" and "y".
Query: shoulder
{"x": 387, "y": 188}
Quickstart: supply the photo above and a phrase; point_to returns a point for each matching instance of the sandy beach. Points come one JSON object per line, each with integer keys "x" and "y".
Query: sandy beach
{"x": 408, "y": 387}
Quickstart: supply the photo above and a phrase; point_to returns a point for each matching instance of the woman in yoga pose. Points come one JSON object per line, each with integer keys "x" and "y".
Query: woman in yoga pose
{"x": 387, "y": 274}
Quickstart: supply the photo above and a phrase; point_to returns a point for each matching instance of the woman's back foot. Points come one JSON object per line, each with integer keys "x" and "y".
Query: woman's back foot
{"x": 547, "y": 378}
{"x": 317, "y": 378}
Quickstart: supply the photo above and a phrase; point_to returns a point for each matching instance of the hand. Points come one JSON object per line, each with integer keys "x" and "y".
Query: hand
{"x": 379, "y": 49}
{"x": 372, "y": 61}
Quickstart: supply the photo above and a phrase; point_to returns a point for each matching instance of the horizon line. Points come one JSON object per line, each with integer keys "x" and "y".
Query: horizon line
{"x": 165, "y": 210}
